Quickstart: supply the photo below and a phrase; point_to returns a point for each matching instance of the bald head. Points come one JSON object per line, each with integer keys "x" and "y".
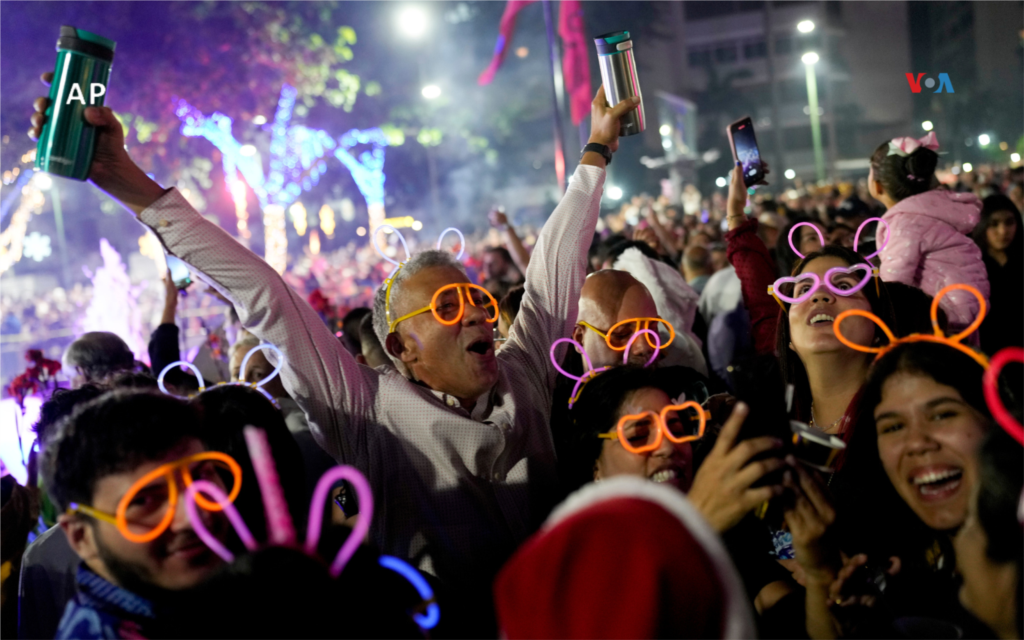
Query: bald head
{"x": 609, "y": 297}
{"x": 606, "y": 291}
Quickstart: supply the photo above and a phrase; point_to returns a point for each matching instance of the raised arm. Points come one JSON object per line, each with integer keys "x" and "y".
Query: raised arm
{"x": 334, "y": 391}
{"x": 754, "y": 267}
{"x": 512, "y": 241}
{"x": 558, "y": 266}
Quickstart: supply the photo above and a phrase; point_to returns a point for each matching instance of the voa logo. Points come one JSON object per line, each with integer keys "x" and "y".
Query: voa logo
{"x": 943, "y": 82}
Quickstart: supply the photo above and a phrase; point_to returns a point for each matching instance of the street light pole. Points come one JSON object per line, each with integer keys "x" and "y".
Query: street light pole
{"x": 769, "y": 37}
{"x": 556, "y": 85}
{"x": 810, "y": 59}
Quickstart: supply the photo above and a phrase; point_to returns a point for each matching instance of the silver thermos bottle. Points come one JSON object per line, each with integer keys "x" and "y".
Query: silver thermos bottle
{"x": 618, "y": 73}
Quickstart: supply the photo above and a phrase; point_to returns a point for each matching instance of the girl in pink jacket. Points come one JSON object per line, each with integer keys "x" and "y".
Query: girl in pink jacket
{"x": 928, "y": 244}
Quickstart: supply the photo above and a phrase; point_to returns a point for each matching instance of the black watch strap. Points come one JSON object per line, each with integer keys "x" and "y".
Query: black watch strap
{"x": 599, "y": 148}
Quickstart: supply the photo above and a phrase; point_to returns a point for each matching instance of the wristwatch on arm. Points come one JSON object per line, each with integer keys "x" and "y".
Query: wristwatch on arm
{"x": 597, "y": 147}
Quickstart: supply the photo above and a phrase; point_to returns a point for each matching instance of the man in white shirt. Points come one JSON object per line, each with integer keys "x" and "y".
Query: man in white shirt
{"x": 457, "y": 450}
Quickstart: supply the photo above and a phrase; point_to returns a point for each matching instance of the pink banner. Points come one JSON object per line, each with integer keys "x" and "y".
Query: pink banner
{"x": 505, "y": 31}
{"x": 575, "y": 59}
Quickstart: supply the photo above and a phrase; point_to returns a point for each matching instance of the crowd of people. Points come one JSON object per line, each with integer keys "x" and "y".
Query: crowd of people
{"x": 789, "y": 416}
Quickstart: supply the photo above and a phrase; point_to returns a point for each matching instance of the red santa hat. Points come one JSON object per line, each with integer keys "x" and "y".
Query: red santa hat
{"x": 623, "y": 558}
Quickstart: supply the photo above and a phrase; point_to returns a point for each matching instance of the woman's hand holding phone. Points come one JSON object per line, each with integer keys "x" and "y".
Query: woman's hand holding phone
{"x": 738, "y": 195}
{"x": 722, "y": 488}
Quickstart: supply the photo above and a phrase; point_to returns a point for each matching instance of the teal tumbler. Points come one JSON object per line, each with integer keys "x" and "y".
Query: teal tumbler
{"x": 67, "y": 141}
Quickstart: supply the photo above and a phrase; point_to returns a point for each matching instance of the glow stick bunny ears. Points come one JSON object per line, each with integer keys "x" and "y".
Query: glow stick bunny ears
{"x": 398, "y": 265}
{"x": 856, "y": 237}
{"x": 281, "y": 530}
{"x": 938, "y": 336}
{"x": 591, "y": 372}
{"x": 241, "y": 373}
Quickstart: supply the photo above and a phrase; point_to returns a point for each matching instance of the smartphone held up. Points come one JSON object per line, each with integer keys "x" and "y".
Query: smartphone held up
{"x": 178, "y": 272}
{"x": 745, "y": 151}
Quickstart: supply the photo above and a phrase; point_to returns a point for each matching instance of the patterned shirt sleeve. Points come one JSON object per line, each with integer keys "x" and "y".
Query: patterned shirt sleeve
{"x": 555, "y": 277}
{"x": 336, "y": 392}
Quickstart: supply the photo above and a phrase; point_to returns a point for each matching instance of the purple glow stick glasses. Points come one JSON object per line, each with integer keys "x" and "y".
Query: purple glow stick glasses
{"x": 591, "y": 371}
{"x": 792, "y": 246}
{"x": 280, "y": 529}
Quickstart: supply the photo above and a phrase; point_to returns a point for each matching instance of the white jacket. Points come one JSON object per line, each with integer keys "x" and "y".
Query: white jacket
{"x": 676, "y": 302}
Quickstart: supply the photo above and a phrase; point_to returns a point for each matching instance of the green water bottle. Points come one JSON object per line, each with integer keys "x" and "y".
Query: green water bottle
{"x": 80, "y": 78}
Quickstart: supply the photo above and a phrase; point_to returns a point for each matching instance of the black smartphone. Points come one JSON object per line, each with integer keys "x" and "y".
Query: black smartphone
{"x": 178, "y": 272}
{"x": 745, "y": 151}
{"x": 757, "y": 381}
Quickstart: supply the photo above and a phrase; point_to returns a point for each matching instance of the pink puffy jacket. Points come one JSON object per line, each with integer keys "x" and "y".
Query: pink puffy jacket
{"x": 929, "y": 249}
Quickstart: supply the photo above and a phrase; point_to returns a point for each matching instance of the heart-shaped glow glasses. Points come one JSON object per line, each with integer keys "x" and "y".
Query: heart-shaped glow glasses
{"x": 842, "y": 281}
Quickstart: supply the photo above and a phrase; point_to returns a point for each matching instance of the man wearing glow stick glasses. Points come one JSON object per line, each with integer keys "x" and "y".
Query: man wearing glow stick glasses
{"x": 616, "y": 304}
{"x": 456, "y": 442}
{"x": 118, "y": 467}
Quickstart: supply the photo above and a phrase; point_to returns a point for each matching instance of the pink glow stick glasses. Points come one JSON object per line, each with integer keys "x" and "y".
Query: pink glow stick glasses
{"x": 838, "y": 280}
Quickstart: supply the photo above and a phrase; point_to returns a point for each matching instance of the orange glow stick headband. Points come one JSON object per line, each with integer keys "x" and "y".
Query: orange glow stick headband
{"x": 952, "y": 341}
{"x": 120, "y": 519}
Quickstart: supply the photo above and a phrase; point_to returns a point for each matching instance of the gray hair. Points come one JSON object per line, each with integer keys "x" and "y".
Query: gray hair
{"x": 418, "y": 262}
{"x": 99, "y": 355}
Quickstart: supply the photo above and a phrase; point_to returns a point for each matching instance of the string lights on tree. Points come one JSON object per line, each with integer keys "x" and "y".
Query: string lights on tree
{"x": 297, "y": 160}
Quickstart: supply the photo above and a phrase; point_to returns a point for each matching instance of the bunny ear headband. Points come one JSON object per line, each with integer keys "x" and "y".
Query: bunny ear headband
{"x": 241, "y": 374}
{"x": 856, "y": 237}
{"x": 937, "y": 336}
{"x": 281, "y": 530}
{"x": 399, "y": 264}
{"x": 591, "y": 372}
